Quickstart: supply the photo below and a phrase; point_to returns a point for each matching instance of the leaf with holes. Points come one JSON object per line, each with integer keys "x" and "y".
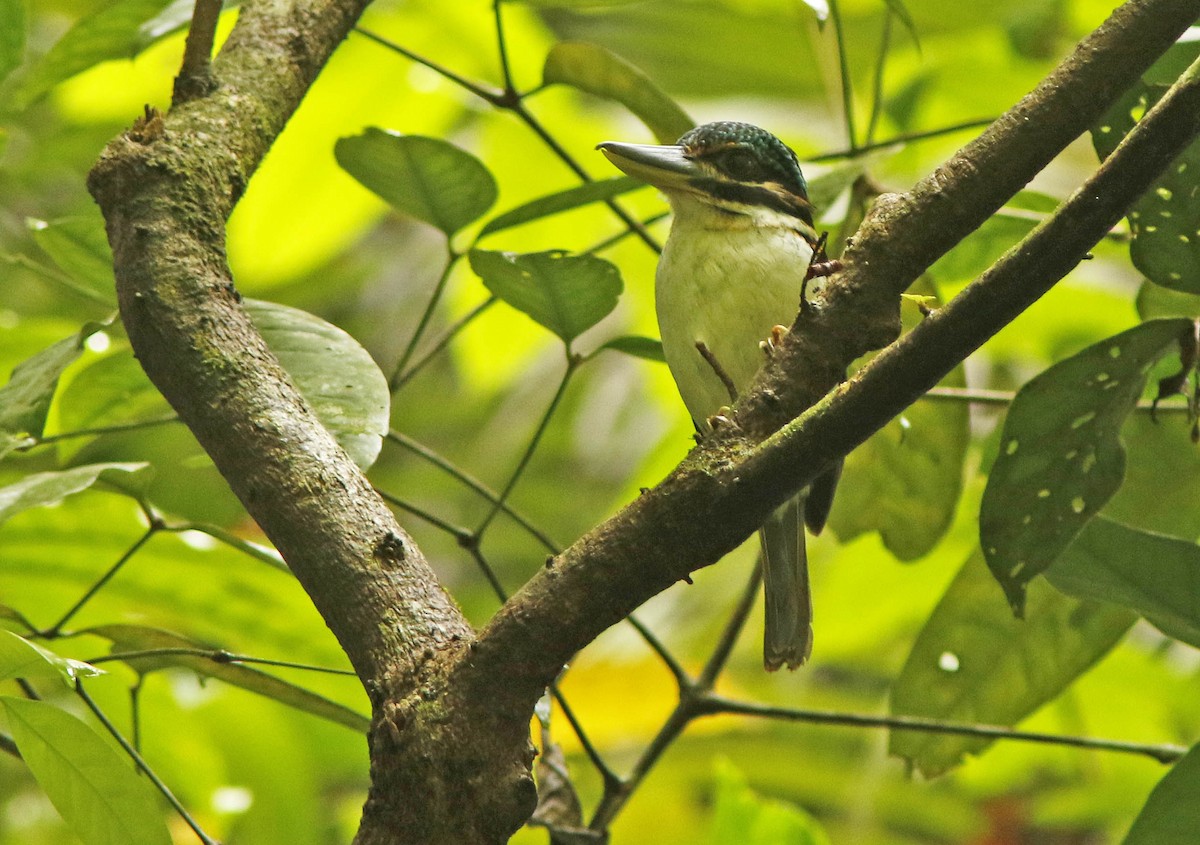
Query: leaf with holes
{"x": 568, "y": 294}
{"x": 42, "y": 489}
{"x": 426, "y": 178}
{"x": 19, "y": 658}
{"x": 1151, "y": 574}
{"x": 1171, "y": 815}
{"x": 973, "y": 662}
{"x": 598, "y": 71}
{"x": 94, "y": 788}
{"x": 1166, "y": 220}
{"x": 561, "y": 201}
{"x": 1061, "y": 457}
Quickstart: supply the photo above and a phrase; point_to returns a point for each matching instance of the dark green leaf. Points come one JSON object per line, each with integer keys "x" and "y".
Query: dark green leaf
{"x": 743, "y": 817}
{"x": 427, "y": 178}
{"x": 973, "y": 662}
{"x": 12, "y": 35}
{"x": 581, "y": 195}
{"x": 25, "y": 399}
{"x": 596, "y": 70}
{"x": 19, "y": 658}
{"x": 79, "y": 246}
{"x": 647, "y": 348}
{"x": 94, "y": 789}
{"x": 340, "y": 379}
{"x": 131, "y": 638}
{"x": 1155, "y": 302}
{"x": 1060, "y": 457}
{"x": 1171, "y": 815}
{"x": 1151, "y": 574}
{"x": 905, "y": 481}
{"x": 50, "y": 488}
{"x": 110, "y": 33}
{"x": 568, "y": 294}
{"x": 1166, "y": 220}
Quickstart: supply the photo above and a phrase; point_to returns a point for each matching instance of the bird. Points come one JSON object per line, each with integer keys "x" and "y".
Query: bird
{"x": 733, "y": 268}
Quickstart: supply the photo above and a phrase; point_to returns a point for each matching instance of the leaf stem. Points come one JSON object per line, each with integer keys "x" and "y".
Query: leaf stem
{"x": 56, "y": 629}
{"x": 844, "y": 69}
{"x": 438, "y": 289}
{"x": 441, "y": 343}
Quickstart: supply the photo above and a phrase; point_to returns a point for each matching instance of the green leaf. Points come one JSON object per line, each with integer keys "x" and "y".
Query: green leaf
{"x": 131, "y": 638}
{"x": 647, "y": 348}
{"x": 561, "y": 201}
{"x": 905, "y": 17}
{"x": 1171, "y": 815}
{"x": 974, "y": 662}
{"x": 25, "y": 399}
{"x": 19, "y": 658}
{"x": 596, "y": 70}
{"x": 1151, "y": 574}
{"x": 94, "y": 789}
{"x": 12, "y": 35}
{"x": 1166, "y": 220}
{"x": 426, "y": 178}
{"x": 79, "y": 246}
{"x": 743, "y": 817}
{"x": 1155, "y": 302}
{"x": 1061, "y": 458}
{"x": 568, "y": 294}
{"x": 905, "y": 481}
{"x": 111, "y": 33}
{"x": 340, "y": 379}
{"x": 50, "y": 488}
{"x": 175, "y": 17}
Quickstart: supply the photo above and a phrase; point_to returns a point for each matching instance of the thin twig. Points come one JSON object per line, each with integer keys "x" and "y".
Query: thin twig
{"x": 906, "y": 138}
{"x": 400, "y": 379}
{"x": 844, "y": 69}
{"x": 502, "y": 47}
{"x": 438, "y": 289}
{"x": 733, "y": 629}
{"x": 216, "y": 656}
{"x": 56, "y": 629}
{"x": 195, "y": 76}
{"x": 463, "y": 535}
{"x": 708, "y": 356}
{"x": 115, "y": 428}
{"x": 491, "y": 95}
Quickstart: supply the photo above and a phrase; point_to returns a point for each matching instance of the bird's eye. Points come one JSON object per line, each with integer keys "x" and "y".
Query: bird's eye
{"x": 741, "y": 165}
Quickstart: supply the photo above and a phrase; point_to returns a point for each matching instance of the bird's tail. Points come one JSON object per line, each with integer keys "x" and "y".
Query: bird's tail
{"x": 787, "y": 639}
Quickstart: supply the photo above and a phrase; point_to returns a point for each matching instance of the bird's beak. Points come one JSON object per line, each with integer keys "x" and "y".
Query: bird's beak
{"x": 663, "y": 167}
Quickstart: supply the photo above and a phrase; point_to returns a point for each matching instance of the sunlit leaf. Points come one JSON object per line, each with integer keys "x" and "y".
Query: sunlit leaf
{"x": 556, "y": 203}
{"x": 1166, "y": 220}
{"x": 974, "y": 662}
{"x": 1151, "y": 574}
{"x": 741, "y": 816}
{"x": 110, "y": 33}
{"x": 94, "y": 789}
{"x": 340, "y": 379}
{"x": 427, "y": 178}
{"x": 12, "y": 35}
{"x": 19, "y": 658}
{"x": 598, "y": 71}
{"x": 49, "y": 488}
{"x": 1061, "y": 458}
{"x": 80, "y": 248}
{"x": 25, "y": 399}
{"x": 1171, "y": 815}
{"x": 647, "y": 348}
{"x": 568, "y": 294}
{"x": 134, "y": 638}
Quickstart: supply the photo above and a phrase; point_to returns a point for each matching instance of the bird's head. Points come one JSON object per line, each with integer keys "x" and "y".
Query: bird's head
{"x": 735, "y": 168}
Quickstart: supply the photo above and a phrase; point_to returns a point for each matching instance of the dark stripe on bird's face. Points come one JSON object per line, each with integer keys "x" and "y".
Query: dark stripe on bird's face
{"x": 767, "y": 195}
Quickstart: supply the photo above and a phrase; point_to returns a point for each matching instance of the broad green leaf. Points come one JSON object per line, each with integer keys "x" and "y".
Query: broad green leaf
{"x": 743, "y": 817}
{"x": 131, "y": 638}
{"x": 596, "y": 70}
{"x": 427, "y": 178}
{"x": 1061, "y": 458}
{"x": 112, "y": 32}
{"x": 905, "y": 481}
{"x": 1154, "y": 575}
{"x": 19, "y": 658}
{"x": 568, "y": 294}
{"x": 50, "y": 488}
{"x": 1162, "y": 473}
{"x": 1166, "y": 220}
{"x": 1155, "y": 302}
{"x": 974, "y": 662}
{"x": 79, "y": 246}
{"x": 95, "y": 789}
{"x": 1171, "y": 815}
{"x": 340, "y": 379}
{"x": 647, "y": 348}
{"x": 12, "y": 35}
{"x": 25, "y": 399}
{"x": 561, "y": 201}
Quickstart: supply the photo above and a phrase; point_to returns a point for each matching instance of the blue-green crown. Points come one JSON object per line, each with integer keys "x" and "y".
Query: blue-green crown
{"x": 746, "y": 153}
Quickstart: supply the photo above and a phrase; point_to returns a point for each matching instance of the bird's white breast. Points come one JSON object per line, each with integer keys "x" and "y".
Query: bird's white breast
{"x": 723, "y": 282}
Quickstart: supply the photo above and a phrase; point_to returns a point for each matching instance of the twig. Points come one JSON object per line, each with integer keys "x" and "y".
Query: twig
{"x": 434, "y": 298}
{"x": 195, "y": 76}
{"x": 400, "y": 379}
{"x": 708, "y": 356}
{"x": 56, "y": 629}
{"x": 906, "y": 138}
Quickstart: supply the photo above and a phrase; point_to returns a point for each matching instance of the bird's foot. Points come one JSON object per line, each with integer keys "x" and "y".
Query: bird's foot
{"x": 772, "y": 343}
{"x": 723, "y": 418}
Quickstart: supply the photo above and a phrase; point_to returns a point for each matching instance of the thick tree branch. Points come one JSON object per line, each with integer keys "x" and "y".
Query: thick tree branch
{"x": 720, "y": 495}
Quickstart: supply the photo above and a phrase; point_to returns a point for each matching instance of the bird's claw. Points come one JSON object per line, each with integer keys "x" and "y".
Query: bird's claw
{"x": 722, "y": 419}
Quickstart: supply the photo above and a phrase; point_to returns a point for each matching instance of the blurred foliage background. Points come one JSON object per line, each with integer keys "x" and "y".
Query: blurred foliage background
{"x": 310, "y": 236}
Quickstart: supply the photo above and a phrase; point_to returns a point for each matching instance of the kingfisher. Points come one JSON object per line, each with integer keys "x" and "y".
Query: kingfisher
{"x": 733, "y": 269}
